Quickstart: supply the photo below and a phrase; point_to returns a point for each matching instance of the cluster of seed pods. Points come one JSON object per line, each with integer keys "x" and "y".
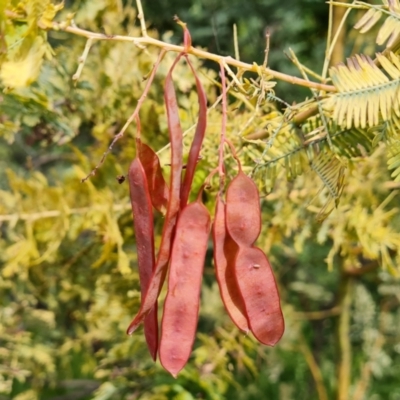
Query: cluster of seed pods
{"x": 244, "y": 275}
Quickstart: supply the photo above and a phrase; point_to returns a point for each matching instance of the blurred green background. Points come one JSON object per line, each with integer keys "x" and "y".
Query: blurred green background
{"x": 68, "y": 280}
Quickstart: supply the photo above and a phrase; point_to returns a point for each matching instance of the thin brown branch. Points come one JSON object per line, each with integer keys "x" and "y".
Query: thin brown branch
{"x": 332, "y": 45}
{"x": 366, "y": 372}
{"x": 316, "y": 315}
{"x": 260, "y": 134}
{"x": 141, "y": 18}
{"x": 362, "y": 270}
{"x": 391, "y": 185}
{"x": 299, "y": 118}
{"x": 13, "y": 15}
{"x": 143, "y": 41}
{"x": 339, "y": 29}
{"x": 343, "y": 337}
{"x": 236, "y": 42}
{"x": 314, "y": 368}
{"x": 57, "y": 213}
{"x": 134, "y": 115}
{"x": 82, "y": 60}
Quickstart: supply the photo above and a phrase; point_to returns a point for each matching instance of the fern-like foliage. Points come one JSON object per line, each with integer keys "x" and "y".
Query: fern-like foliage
{"x": 394, "y": 159}
{"x": 346, "y": 143}
{"x": 329, "y": 168}
{"x": 351, "y": 123}
{"x": 282, "y": 149}
{"x": 366, "y": 94}
{"x": 390, "y": 30}
{"x": 319, "y": 144}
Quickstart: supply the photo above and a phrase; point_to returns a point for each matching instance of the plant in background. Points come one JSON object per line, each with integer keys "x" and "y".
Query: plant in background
{"x": 340, "y": 209}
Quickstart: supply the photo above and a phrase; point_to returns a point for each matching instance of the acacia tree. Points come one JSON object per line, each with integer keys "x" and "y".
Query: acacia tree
{"x": 319, "y": 164}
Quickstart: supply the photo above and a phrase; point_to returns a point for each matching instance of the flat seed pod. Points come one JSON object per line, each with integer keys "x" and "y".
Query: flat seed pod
{"x": 181, "y": 307}
{"x": 243, "y": 215}
{"x": 225, "y": 250}
{"x": 261, "y": 298}
{"x": 143, "y": 225}
{"x": 160, "y": 271}
{"x": 197, "y": 140}
{"x": 159, "y": 191}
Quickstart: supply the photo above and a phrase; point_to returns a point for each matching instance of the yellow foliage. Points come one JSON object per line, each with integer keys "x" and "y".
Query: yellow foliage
{"x": 25, "y": 67}
{"x": 68, "y": 252}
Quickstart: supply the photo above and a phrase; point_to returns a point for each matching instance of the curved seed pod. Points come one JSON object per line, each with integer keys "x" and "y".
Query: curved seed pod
{"x": 143, "y": 225}
{"x": 159, "y": 191}
{"x": 175, "y": 135}
{"x": 197, "y": 140}
{"x": 181, "y": 307}
{"x": 243, "y": 215}
{"x": 257, "y": 285}
{"x": 225, "y": 250}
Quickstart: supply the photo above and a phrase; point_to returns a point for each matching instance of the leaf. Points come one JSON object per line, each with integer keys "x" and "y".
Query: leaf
{"x": 106, "y": 391}
{"x": 25, "y": 68}
{"x": 366, "y": 94}
{"x": 390, "y": 29}
{"x": 329, "y": 169}
{"x": 3, "y": 26}
{"x": 46, "y": 19}
{"x": 368, "y": 20}
{"x": 27, "y": 395}
{"x": 394, "y": 159}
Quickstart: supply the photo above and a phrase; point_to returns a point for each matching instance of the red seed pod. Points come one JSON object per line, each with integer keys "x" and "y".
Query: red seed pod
{"x": 243, "y": 215}
{"x": 197, "y": 140}
{"x": 175, "y": 134}
{"x": 143, "y": 225}
{"x": 159, "y": 191}
{"x": 225, "y": 250}
{"x": 257, "y": 285}
{"x": 181, "y": 307}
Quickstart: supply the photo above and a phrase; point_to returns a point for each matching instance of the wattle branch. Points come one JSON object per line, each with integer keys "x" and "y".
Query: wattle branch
{"x": 149, "y": 41}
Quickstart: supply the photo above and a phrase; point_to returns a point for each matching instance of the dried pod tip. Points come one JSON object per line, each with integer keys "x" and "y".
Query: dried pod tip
{"x": 200, "y": 194}
{"x": 187, "y": 39}
{"x": 120, "y": 179}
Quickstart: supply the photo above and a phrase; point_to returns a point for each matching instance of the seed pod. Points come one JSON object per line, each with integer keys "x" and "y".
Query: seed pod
{"x": 197, "y": 140}
{"x": 160, "y": 271}
{"x": 243, "y": 215}
{"x": 181, "y": 307}
{"x": 159, "y": 191}
{"x": 143, "y": 225}
{"x": 225, "y": 250}
{"x": 257, "y": 285}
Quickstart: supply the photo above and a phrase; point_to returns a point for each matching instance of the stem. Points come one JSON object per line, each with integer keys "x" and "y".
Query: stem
{"x": 317, "y": 315}
{"x": 131, "y": 118}
{"x": 314, "y": 92}
{"x": 82, "y": 60}
{"x": 236, "y": 42}
{"x": 221, "y": 169}
{"x": 168, "y": 145}
{"x": 339, "y": 47}
{"x": 315, "y": 370}
{"x": 141, "y": 18}
{"x": 366, "y": 373}
{"x": 57, "y": 213}
{"x": 333, "y": 44}
{"x": 343, "y": 337}
{"x": 146, "y": 40}
{"x": 304, "y": 115}
{"x": 328, "y": 40}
